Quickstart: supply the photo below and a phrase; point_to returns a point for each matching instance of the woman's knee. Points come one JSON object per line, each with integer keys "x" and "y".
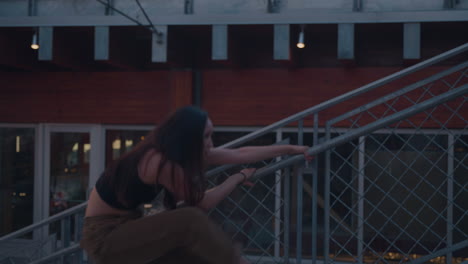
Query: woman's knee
{"x": 198, "y": 224}
{"x": 194, "y": 215}
{"x": 204, "y": 238}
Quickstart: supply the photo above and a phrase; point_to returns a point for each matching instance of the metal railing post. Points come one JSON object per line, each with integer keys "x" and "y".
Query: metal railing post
{"x": 326, "y": 233}
{"x": 277, "y": 203}
{"x": 314, "y": 193}
{"x": 450, "y": 175}
{"x": 360, "y": 221}
{"x": 300, "y": 188}
{"x": 67, "y": 234}
{"x": 287, "y": 212}
{"x": 300, "y": 179}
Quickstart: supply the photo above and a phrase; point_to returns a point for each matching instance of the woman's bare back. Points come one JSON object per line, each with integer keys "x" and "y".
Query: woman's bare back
{"x": 147, "y": 171}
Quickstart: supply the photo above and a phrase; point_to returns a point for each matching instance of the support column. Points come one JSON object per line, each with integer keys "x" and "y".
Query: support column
{"x": 101, "y": 43}
{"x": 219, "y": 40}
{"x": 412, "y": 41}
{"x": 46, "y": 39}
{"x": 159, "y": 45}
{"x": 346, "y": 41}
{"x": 281, "y": 42}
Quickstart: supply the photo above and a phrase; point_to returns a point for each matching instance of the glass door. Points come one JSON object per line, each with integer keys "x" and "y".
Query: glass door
{"x": 17, "y": 148}
{"x": 71, "y": 157}
{"x": 69, "y": 170}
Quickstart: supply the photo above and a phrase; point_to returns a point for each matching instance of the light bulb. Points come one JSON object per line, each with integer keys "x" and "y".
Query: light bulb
{"x": 34, "y": 44}
{"x": 300, "y": 43}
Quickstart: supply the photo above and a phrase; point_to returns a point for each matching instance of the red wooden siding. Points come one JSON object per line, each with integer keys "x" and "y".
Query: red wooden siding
{"x": 64, "y": 97}
{"x": 263, "y": 96}
{"x": 181, "y": 89}
{"x": 248, "y": 97}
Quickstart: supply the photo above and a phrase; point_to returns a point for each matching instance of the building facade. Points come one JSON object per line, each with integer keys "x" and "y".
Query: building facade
{"x": 106, "y": 72}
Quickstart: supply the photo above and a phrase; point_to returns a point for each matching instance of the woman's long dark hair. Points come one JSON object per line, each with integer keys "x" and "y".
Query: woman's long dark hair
{"x": 179, "y": 139}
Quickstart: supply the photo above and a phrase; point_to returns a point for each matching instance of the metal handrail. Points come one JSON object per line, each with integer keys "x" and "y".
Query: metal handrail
{"x": 46, "y": 221}
{"x": 415, "y": 109}
{"x": 222, "y": 168}
{"x": 58, "y": 254}
{"x": 405, "y": 90}
{"x": 346, "y": 96}
{"x": 441, "y": 252}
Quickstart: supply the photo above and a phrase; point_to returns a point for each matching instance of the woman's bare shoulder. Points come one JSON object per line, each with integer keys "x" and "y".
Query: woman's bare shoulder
{"x": 148, "y": 166}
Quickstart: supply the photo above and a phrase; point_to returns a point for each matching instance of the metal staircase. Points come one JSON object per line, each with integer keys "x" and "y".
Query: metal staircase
{"x": 388, "y": 185}
{"x": 54, "y": 238}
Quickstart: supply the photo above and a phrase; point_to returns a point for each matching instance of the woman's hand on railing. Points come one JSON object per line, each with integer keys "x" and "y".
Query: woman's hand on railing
{"x": 246, "y": 175}
{"x": 296, "y": 149}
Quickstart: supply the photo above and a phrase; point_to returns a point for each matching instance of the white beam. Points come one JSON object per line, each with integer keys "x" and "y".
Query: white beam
{"x": 244, "y": 19}
{"x": 159, "y": 45}
{"x": 46, "y": 40}
{"x": 219, "y": 42}
{"x": 412, "y": 41}
{"x": 101, "y": 43}
{"x": 281, "y": 42}
{"x": 346, "y": 41}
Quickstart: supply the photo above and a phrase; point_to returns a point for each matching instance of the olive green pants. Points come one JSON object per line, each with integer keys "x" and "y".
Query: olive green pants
{"x": 183, "y": 235}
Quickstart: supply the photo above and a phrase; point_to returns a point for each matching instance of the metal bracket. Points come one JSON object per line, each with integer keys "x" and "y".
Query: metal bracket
{"x": 32, "y": 8}
{"x": 449, "y": 4}
{"x": 151, "y": 27}
{"x": 109, "y": 10}
{"x": 357, "y": 5}
{"x": 188, "y": 7}
{"x": 273, "y": 6}
{"x": 159, "y": 36}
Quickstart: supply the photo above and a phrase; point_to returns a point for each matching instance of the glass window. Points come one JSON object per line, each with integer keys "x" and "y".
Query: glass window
{"x": 16, "y": 178}
{"x": 405, "y": 177}
{"x": 308, "y": 138}
{"x": 69, "y": 170}
{"x": 120, "y": 141}
{"x": 221, "y": 137}
{"x": 460, "y": 189}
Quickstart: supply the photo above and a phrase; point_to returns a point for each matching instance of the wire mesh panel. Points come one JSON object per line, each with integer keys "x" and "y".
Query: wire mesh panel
{"x": 401, "y": 196}
{"x": 253, "y": 215}
{"x": 249, "y": 215}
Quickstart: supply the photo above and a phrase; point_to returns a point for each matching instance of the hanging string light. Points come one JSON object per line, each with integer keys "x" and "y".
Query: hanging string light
{"x": 300, "y": 42}
{"x": 34, "y": 42}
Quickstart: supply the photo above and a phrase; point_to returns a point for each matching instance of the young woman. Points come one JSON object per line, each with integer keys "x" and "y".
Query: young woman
{"x": 172, "y": 158}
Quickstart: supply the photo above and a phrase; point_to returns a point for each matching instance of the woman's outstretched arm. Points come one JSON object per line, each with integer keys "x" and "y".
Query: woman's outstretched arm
{"x": 253, "y": 153}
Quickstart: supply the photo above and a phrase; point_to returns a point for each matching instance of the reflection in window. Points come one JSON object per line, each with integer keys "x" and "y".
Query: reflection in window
{"x": 69, "y": 170}
{"x": 406, "y": 171}
{"x": 16, "y": 178}
{"x": 120, "y": 141}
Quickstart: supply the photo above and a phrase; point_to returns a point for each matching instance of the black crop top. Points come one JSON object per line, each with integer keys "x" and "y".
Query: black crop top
{"x": 138, "y": 193}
